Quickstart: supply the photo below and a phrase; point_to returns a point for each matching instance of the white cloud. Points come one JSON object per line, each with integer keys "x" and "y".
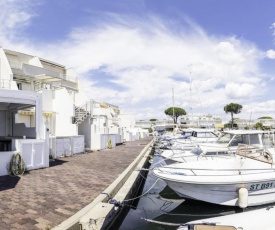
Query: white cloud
{"x": 270, "y": 54}
{"x": 258, "y": 109}
{"x": 14, "y": 18}
{"x": 147, "y": 60}
{"x": 236, "y": 91}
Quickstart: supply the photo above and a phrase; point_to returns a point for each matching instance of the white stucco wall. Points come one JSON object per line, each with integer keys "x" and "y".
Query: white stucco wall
{"x": 6, "y": 76}
{"x": 85, "y": 129}
{"x": 47, "y": 97}
{"x": 63, "y": 106}
{"x": 35, "y": 61}
{"x": 26, "y": 87}
{"x": 5, "y": 70}
{"x": 126, "y": 121}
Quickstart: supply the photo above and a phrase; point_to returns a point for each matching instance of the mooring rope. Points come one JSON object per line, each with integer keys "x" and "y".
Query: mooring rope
{"x": 175, "y": 214}
{"x": 160, "y": 222}
{"x": 16, "y": 166}
{"x": 143, "y": 193}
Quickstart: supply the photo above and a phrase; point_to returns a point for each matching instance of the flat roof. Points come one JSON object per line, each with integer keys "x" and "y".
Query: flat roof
{"x": 244, "y": 131}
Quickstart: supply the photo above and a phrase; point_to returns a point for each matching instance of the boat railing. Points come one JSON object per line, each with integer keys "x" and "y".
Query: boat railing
{"x": 180, "y": 171}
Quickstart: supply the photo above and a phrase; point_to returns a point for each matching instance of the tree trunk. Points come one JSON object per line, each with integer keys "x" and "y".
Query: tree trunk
{"x": 232, "y": 120}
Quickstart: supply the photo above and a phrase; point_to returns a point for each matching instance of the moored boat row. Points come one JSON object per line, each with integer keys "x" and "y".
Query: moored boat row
{"x": 238, "y": 167}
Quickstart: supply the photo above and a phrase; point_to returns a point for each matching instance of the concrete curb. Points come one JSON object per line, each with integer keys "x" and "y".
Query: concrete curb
{"x": 112, "y": 190}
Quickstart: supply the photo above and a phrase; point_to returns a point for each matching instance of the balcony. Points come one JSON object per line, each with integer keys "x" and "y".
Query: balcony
{"x": 39, "y": 73}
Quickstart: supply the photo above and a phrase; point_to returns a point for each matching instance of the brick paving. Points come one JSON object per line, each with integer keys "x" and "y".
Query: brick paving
{"x": 42, "y": 199}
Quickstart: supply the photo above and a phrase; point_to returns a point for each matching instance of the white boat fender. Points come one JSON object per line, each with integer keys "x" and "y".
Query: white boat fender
{"x": 243, "y": 197}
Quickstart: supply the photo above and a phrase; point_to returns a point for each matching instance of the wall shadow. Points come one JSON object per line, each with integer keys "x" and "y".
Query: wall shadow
{"x": 8, "y": 182}
{"x": 57, "y": 162}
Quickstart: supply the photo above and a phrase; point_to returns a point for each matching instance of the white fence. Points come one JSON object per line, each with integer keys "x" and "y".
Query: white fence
{"x": 66, "y": 146}
{"x": 33, "y": 153}
{"x": 114, "y": 139}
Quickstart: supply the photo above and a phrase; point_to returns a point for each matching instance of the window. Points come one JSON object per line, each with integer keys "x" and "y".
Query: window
{"x": 19, "y": 85}
{"x": 200, "y": 134}
{"x": 267, "y": 139}
{"x": 237, "y": 140}
{"x": 210, "y": 153}
{"x": 251, "y": 139}
{"x": 210, "y": 135}
{"x": 225, "y": 139}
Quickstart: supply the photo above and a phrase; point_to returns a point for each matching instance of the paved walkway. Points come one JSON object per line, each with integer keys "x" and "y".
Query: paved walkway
{"x": 42, "y": 199}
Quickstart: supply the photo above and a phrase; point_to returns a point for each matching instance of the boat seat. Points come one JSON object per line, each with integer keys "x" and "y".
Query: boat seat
{"x": 214, "y": 227}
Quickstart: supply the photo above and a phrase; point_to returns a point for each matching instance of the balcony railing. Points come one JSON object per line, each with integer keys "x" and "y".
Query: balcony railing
{"x": 5, "y": 84}
{"x": 69, "y": 78}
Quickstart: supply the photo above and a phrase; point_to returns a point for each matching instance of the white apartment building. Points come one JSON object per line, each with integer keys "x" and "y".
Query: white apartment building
{"x": 40, "y": 117}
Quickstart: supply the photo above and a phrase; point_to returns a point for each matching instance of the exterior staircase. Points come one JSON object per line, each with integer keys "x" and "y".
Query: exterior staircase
{"x": 83, "y": 112}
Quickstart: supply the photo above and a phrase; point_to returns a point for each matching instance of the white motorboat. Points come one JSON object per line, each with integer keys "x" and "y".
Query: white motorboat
{"x": 187, "y": 139}
{"x": 251, "y": 220}
{"x": 248, "y": 179}
{"x": 227, "y": 144}
{"x": 196, "y": 154}
{"x": 198, "y": 135}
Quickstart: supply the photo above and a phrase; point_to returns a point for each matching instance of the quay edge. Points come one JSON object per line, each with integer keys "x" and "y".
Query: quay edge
{"x": 99, "y": 212}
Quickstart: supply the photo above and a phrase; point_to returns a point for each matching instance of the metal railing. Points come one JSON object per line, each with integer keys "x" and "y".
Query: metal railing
{"x": 69, "y": 78}
{"x": 215, "y": 172}
{"x": 5, "y": 84}
{"x": 83, "y": 111}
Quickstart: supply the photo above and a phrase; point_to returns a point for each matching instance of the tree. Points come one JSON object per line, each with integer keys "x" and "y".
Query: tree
{"x": 153, "y": 119}
{"x": 259, "y": 125}
{"x": 177, "y": 113}
{"x": 150, "y": 130}
{"x": 265, "y": 117}
{"x": 229, "y": 125}
{"x": 233, "y": 108}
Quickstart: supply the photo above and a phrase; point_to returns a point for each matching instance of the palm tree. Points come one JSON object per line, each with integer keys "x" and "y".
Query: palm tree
{"x": 233, "y": 108}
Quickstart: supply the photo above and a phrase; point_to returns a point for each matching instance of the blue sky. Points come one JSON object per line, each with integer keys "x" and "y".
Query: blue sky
{"x": 133, "y": 52}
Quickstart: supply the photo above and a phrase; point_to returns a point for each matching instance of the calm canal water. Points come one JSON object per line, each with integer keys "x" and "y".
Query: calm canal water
{"x": 161, "y": 204}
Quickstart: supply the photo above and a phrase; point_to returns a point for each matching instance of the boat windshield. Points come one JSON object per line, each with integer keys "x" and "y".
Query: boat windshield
{"x": 196, "y": 151}
{"x": 204, "y": 134}
{"x": 268, "y": 139}
{"x": 187, "y": 134}
{"x": 225, "y": 138}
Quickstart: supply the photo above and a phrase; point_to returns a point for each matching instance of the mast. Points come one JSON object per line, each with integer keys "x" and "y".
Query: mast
{"x": 173, "y": 111}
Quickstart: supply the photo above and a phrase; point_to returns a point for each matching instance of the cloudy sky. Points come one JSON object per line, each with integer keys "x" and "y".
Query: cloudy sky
{"x": 132, "y": 53}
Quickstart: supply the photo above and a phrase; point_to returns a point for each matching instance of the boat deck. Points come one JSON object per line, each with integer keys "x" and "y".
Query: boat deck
{"x": 42, "y": 199}
{"x": 255, "y": 153}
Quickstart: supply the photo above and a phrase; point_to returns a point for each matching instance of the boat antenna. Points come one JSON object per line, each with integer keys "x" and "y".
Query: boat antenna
{"x": 173, "y": 111}
{"x": 250, "y": 121}
{"x": 191, "y": 96}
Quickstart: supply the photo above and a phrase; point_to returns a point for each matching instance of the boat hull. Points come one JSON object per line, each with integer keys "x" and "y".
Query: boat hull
{"x": 219, "y": 181}
{"x": 226, "y": 194}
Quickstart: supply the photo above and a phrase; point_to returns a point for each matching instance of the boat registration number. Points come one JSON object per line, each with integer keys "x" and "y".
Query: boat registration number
{"x": 261, "y": 186}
